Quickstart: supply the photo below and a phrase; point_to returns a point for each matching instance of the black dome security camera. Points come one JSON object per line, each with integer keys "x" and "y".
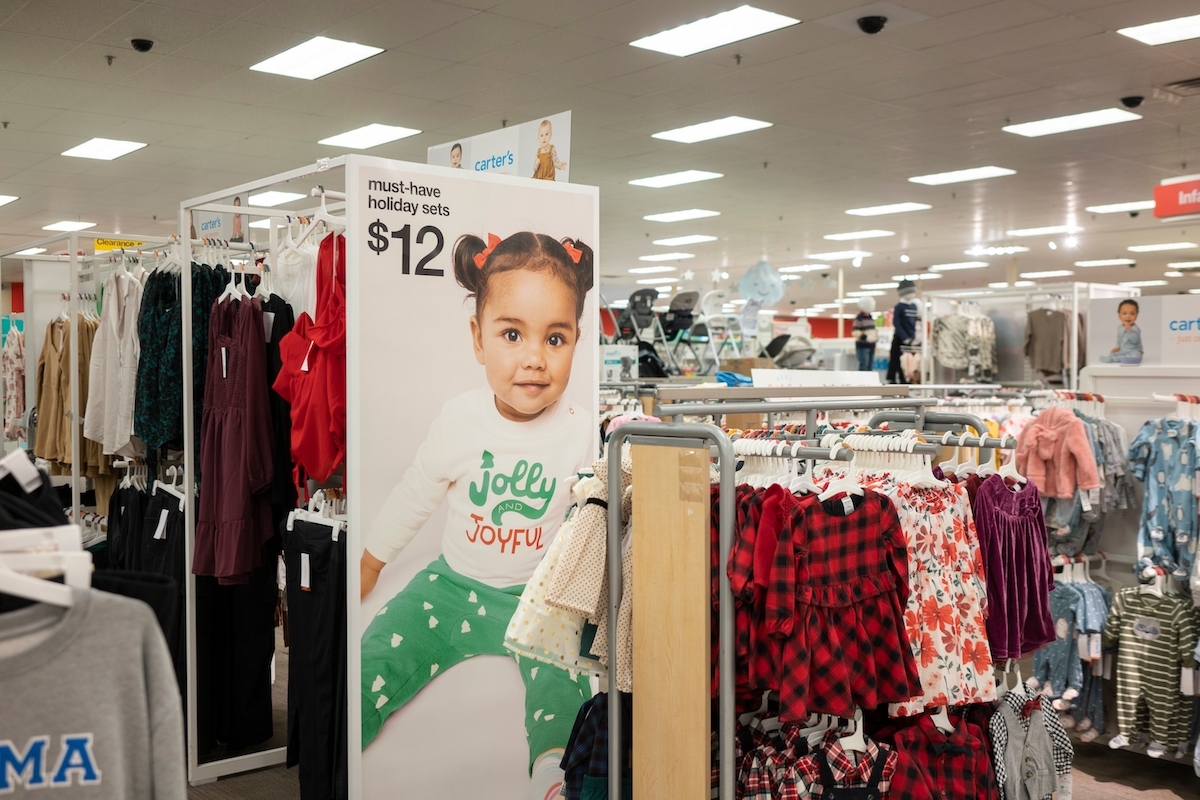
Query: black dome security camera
{"x": 871, "y": 25}
{"x": 1133, "y": 101}
{"x": 142, "y": 45}
{"x": 1134, "y": 213}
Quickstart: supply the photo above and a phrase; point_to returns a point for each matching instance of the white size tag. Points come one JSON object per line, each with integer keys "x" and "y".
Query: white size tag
{"x": 281, "y": 574}
{"x": 1082, "y": 642}
{"x": 1094, "y": 496}
{"x": 847, "y": 505}
{"x": 1083, "y": 500}
{"x": 224, "y": 362}
{"x": 1095, "y": 646}
{"x": 1187, "y": 681}
{"x": 268, "y": 324}
{"x": 161, "y": 531}
{"x": 304, "y": 576}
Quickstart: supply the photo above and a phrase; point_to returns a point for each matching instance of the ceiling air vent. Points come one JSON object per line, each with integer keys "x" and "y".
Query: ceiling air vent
{"x": 1188, "y": 88}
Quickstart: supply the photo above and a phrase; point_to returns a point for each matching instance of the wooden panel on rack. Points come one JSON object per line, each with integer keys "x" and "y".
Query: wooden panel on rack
{"x": 671, "y": 617}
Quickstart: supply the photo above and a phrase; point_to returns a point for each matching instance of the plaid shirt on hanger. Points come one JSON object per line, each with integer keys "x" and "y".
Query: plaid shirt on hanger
{"x": 936, "y": 764}
{"x": 848, "y": 772}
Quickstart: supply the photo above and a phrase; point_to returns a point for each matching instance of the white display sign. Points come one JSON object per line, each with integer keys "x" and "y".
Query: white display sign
{"x": 215, "y": 225}
{"x": 618, "y": 362}
{"x": 467, "y": 424}
{"x": 540, "y": 148}
{"x": 1153, "y": 331}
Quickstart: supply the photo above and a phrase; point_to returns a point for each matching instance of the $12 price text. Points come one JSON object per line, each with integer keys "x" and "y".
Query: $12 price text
{"x": 380, "y": 240}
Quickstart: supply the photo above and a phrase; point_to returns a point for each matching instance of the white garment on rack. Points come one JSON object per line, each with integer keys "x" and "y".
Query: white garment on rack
{"x": 295, "y": 274}
{"x": 14, "y": 382}
{"x": 112, "y": 375}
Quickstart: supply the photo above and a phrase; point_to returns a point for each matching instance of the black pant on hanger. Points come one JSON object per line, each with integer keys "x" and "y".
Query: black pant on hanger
{"x": 317, "y": 699}
{"x": 895, "y": 373}
{"x": 164, "y": 552}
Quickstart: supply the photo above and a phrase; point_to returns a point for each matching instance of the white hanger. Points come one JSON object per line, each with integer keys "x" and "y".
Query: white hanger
{"x": 322, "y": 215}
{"x": 951, "y": 465}
{"x": 802, "y": 484}
{"x": 857, "y": 741}
{"x": 848, "y": 484}
{"x": 941, "y": 719}
{"x": 170, "y": 488}
{"x": 1009, "y": 470}
{"x": 61, "y": 538}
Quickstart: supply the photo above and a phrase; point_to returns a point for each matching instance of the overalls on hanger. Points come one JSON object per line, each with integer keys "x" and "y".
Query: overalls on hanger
{"x": 869, "y": 792}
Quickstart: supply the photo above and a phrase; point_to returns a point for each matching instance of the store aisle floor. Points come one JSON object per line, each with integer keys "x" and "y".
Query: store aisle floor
{"x": 275, "y": 783}
{"x": 1103, "y": 774}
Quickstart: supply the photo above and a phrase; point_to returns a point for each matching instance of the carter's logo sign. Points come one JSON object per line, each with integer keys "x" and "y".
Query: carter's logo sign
{"x": 32, "y": 768}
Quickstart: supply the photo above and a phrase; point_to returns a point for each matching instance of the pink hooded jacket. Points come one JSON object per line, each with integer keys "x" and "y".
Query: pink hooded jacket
{"x": 1055, "y": 453}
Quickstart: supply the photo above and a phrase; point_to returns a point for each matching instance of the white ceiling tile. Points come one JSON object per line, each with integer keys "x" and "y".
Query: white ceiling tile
{"x": 1061, "y": 31}
{"x": 455, "y": 81}
{"x": 168, "y": 28}
{"x": 543, "y": 51}
{"x": 20, "y": 52}
{"x": 177, "y": 75}
{"x": 473, "y": 37}
{"x": 391, "y": 71}
{"x": 619, "y": 59}
{"x": 988, "y": 18}
{"x": 65, "y": 19}
{"x": 311, "y": 18}
{"x": 223, "y": 8}
{"x": 393, "y": 24}
{"x": 39, "y": 90}
{"x": 238, "y": 44}
{"x": 557, "y": 14}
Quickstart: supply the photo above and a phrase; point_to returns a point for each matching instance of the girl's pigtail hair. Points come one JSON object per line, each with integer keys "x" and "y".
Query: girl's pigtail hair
{"x": 584, "y": 269}
{"x": 469, "y": 276}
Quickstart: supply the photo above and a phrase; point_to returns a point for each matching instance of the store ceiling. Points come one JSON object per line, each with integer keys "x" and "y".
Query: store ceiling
{"x": 854, "y": 117}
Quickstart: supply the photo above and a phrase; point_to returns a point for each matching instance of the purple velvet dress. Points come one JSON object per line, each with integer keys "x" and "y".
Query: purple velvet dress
{"x": 1012, "y": 537}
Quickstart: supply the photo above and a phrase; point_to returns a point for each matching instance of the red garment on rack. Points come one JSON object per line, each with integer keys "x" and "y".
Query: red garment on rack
{"x": 313, "y": 377}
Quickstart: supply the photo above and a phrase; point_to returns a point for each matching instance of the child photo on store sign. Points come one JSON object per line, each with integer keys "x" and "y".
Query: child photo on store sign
{"x": 504, "y": 458}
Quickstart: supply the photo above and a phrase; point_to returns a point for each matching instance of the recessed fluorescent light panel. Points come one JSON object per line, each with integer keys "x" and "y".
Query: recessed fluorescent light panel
{"x": 681, "y": 216}
{"x": 650, "y": 270}
{"x": 1165, "y": 32}
{"x": 961, "y": 175}
{"x": 1184, "y": 264}
{"x": 1072, "y": 122}
{"x": 919, "y": 276}
{"x": 32, "y": 251}
{"x": 890, "y": 285}
{"x": 657, "y": 281}
{"x": 316, "y": 57}
{"x": 1172, "y": 273}
{"x": 1047, "y": 231}
{"x": 841, "y": 255}
{"x": 103, "y": 149}
{"x": 680, "y": 241}
{"x": 369, "y": 136}
{"x": 1154, "y": 248}
{"x": 958, "y": 265}
{"x": 866, "y": 293}
{"x": 1117, "y": 208}
{"x": 856, "y": 235}
{"x": 743, "y": 22}
{"x": 894, "y": 208}
{"x": 804, "y": 268}
{"x": 667, "y": 257}
{"x": 69, "y": 225}
{"x": 271, "y": 199}
{"x": 676, "y": 178}
{"x": 1106, "y": 262}
{"x": 981, "y": 250}
{"x": 1143, "y": 283}
{"x": 5, "y": 199}
{"x": 1050, "y": 273}
{"x": 1004, "y": 285}
{"x": 713, "y": 129}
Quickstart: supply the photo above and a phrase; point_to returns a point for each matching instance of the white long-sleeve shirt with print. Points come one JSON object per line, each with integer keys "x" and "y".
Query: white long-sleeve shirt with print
{"x": 508, "y": 485}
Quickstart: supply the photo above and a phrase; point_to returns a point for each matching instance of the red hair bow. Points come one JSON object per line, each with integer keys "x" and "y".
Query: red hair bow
{"x": 482, "y": 258}
{"x": 572, "y": 251}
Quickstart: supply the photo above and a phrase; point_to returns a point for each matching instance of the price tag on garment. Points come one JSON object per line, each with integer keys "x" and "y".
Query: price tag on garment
{"x": 847, "y": 505}
{"x": 304, "y": 576}
{"x": 161, "y": 531}
{"x": 281, "y": 575}
{"x": 1187, "y": 681}
{"x": 1084, "y": 501}
{"x": 268, "y": 324}
{"x": 224, "y": 362}
{"x": 1082, "y": 642}
{"x": 1094, "y": 496}
{"x": 1095, "y": 646}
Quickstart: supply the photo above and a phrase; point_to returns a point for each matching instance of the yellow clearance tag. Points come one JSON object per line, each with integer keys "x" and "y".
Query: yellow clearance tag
{"x": 101, "y": 245}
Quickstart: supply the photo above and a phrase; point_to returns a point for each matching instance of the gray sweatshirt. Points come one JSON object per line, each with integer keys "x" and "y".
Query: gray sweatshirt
{"x": 89, "y": 702}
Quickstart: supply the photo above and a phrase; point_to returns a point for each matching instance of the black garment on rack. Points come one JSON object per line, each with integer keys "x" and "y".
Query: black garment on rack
{"x": 283, "y": 487}
{"x": 164, "y": 552}
{"x": 126, "y": 515}
{"x": 235, "y": 643}
{"x": 895, "y": 373}
{"x": 317, "y": 694}
{"x": 157, "y": 591}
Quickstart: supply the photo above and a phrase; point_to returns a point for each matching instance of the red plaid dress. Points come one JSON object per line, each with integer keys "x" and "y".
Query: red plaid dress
{"x": 836, "y": 597}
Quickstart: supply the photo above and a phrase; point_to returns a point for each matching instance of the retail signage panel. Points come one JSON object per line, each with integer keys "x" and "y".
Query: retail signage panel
{"x": 467, "y": 426}
{"x": 101, "y": 245}
{"x": 1177, "y": 197}
{"x": 618, "y": 362}
{"x": 540, "y": 148}
{"x": 215, "y": 225}
{"x": 1159, "y": 331}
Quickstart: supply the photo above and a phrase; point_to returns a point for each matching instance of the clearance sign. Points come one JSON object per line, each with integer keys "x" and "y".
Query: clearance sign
{"x": 1177, "y": 197}
{"x": 116, "y": 244}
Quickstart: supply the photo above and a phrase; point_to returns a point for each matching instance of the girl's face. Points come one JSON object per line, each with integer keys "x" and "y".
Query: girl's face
{"x": 544, "y": 134}
{"x": 525, "y": 338}
{"x": 1128, "y": 315}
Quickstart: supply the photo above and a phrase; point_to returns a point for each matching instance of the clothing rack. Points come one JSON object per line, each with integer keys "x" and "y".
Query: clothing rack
{"x": 684, "y": 768}
{"x": 986, "y": 444}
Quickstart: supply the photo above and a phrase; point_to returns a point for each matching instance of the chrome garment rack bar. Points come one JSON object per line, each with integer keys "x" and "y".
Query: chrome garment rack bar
{"x": 945, "y": 420}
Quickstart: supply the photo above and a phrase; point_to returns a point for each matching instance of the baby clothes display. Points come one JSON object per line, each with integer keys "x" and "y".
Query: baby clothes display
{"x": 1155, "y": 635}
{"x": 938, "y": 764}
{"x": 1055, "y": 452}
{"x": 966, "y": 342}
{"x": 12, "y": 366}
{"x": 1046, "y": 334}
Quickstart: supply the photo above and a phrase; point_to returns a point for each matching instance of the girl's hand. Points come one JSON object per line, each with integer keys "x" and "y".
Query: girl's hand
{"x": 1115, "y": 349}
{"x": 368, "y": 573}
